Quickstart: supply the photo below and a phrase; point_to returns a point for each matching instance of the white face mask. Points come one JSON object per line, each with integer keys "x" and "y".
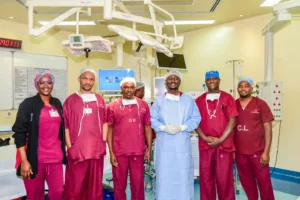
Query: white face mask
{"x": 212, "y": 96}
{"x": 126, "y": 102}
{"x": 172, "y": 97}
{"x": 88, "y": 97}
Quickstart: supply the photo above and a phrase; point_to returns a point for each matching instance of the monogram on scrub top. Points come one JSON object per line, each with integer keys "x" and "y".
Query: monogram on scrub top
{"x": 129, "y": 102}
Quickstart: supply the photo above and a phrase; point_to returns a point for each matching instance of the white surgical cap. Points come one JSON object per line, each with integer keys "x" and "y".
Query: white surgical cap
{"x": 128, "y": 80}
{"x": 173, "y": 72}
{"x": 139, "y": 85}
{"x": 87, "y": 70}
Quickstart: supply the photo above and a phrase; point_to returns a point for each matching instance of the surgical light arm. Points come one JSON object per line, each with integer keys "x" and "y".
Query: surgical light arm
{"x": 288, "y": 5}
{"x": 176, "y": 42}
{"x": 77, "y": 6}
{"x": 282, "y": 16}
{"x": 150, "y": 4}
{"x": 67, "y": 3}
{"x": 39, "y": 31}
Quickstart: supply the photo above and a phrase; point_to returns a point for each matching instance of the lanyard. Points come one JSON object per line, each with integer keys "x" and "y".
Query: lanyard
{"x": 214, "y": 111}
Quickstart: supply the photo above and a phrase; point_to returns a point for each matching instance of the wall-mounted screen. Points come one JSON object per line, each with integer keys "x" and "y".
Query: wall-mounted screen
{"x": 109, "y": 79}
{"x": 177, "y": 62}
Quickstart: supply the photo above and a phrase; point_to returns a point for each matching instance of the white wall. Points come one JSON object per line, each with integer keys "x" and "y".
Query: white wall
{"x": 209, "y": 48}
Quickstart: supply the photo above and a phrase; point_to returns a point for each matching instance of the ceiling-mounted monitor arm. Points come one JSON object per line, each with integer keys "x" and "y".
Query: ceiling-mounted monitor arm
{"x": 88, "y": 12}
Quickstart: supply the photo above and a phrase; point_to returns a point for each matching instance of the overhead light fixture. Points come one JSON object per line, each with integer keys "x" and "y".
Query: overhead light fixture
{"x": 241, "y": 15}
{"x": 189, "y": 22}
{"x": 267, "y": 3}
{"x": 11, "y": 17}
{"x": 70, "y": 23}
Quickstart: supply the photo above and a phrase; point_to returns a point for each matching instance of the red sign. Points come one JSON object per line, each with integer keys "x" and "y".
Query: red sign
{"x": 9, "y": 43}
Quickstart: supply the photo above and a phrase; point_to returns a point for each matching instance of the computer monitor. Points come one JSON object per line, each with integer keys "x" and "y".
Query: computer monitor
{"x": 109, "y": 79}
{"x": 159, "y": 86}
{"x": 177, "y": 62}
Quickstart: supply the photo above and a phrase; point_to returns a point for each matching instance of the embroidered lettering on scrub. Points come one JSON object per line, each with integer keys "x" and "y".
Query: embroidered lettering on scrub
{"x": 132, "y": 120}
{"x": 242, "y": 128}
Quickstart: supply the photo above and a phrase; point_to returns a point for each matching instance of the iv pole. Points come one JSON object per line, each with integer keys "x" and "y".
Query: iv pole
{"x": 237, "y": 190}
{"x": 234, "y": 62}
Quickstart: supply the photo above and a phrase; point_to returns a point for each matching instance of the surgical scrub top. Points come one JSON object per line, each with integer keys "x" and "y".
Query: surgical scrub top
{"x": 85, "y": 128}
{"x": 225, "y": 108}
{"x": 49, "y": 144}
{"x": 249, "y": 135}
{"x": 128, "y": 123}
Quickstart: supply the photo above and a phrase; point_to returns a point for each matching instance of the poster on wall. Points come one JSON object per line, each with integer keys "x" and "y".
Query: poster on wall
{"x": 24, "y": 83}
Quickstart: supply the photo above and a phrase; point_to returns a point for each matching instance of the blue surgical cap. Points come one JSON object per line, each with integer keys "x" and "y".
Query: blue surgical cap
{"x": 212, "y": 74}
{"x": 248, "y": 80}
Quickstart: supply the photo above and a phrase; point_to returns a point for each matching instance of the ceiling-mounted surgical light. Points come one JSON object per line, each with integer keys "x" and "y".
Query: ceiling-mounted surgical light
{"x": 189, "y": 22}
{"x": 70, "y": 23}
{"x": 267, "y": 3}
{"x": 88, "y": 44}
{"x": 134, "y": 35}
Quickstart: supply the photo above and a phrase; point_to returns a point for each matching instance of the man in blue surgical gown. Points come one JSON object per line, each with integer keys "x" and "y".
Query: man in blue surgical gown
{"x": 174, "y": 116}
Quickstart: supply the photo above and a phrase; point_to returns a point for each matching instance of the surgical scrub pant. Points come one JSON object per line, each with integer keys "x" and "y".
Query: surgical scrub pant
{"x": 252, "y": 175}
{"x": 53, "y": 174}
{"x": 216, "y": 170}
{"x": 84, "y": 180}
{"x": 135, "y": 164}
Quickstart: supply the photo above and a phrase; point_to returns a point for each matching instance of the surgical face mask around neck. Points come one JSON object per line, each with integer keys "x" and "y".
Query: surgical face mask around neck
{"x": 88, "y": 97}
{"x": 172, "y": 97}
{"x": 126, "y": 102}
{"x": 212, "y": 96}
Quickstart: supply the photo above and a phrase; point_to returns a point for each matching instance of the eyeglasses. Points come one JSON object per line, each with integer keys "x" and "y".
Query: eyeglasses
{"x": 46, "y": 83}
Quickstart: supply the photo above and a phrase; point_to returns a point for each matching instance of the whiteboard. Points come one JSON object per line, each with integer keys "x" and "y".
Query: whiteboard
{"x": 25, "y": 68}
{"x": 6, "y": 80}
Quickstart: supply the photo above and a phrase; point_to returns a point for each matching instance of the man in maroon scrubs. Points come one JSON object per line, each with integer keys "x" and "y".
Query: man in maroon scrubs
{"x": 218, "y": 112}
{"x": 129, "y": 128}
{"x": 253, "y": 137}
{"x": 85, "y": 114}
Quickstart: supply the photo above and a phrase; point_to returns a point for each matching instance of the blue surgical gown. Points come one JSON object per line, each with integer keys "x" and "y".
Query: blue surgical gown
{"x": 174, "y": 163}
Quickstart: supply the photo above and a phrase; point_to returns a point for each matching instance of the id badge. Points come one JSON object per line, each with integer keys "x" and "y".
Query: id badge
{"x": 53, "y": 113}
{"x": 88, "y": 111}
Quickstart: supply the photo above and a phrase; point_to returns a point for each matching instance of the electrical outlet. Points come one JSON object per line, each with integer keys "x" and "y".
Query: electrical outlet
{"x": 8, "y": 114}
{"x": 271, "y": 92}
